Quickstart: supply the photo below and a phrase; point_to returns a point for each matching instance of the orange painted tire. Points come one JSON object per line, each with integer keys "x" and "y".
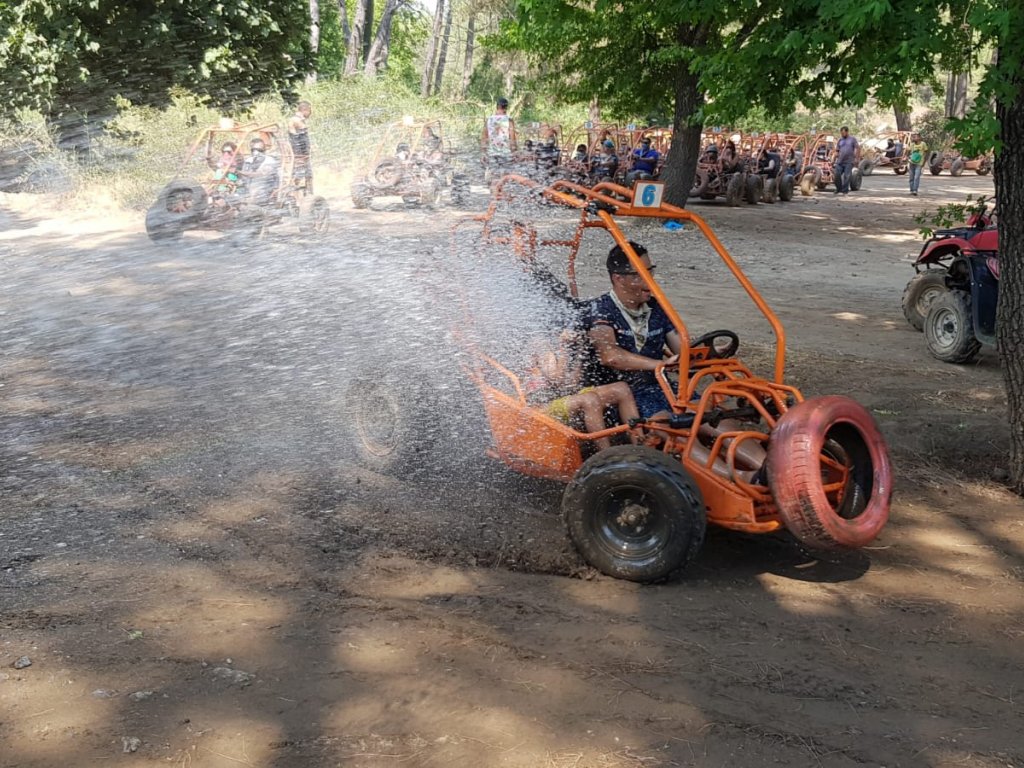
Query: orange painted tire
{"x": 829, "y": 472}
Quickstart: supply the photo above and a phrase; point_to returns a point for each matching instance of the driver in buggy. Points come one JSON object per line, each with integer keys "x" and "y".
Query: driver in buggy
{"x": 260, "y": 174}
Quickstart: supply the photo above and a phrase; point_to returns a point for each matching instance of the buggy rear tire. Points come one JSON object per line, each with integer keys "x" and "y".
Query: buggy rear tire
{"x": 900, "y": 170}
{"x": 314, "y": 216}
{"x": 161, "y": 228}
{"x": 957, "y": 167}
{"x": 634, "y": 513}
{"x": 856, "y": 179}
{"x": 388, "y": 422}
{"x": 921, "y": 291}
{"x": 807, "y": 183}
{"x": 786, "y": 188}
{"x": 830, "y": 441}
{"x": 949, "y": 328}
{"x": 754, "y": 186}
{"x": 983, "y": 168}
{"x": 735, "y": 189}
{"x": 178, "y": 207}
{"x": 770, "y": 190}
{"x": 866, "y": 167}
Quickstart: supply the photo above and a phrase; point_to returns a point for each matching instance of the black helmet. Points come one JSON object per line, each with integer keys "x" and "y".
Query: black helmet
{"x": 503, "y": 102}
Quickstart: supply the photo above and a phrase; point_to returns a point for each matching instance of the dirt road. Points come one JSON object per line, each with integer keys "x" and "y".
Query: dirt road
{"x": 199, "y": 577}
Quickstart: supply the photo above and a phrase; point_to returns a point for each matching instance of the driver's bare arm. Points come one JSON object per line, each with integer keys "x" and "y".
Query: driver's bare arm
{"x": 673, "y": 341}
{"x": 614, "y": 356}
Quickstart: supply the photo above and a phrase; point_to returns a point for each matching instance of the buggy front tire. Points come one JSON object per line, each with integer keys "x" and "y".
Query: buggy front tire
{"x": 754, "y": 187}
{"x": 856, "y": 179}
{"x": 634, "y": 513}
{"x": 734, "y": 189}
{"x": 829, "y": 473}
{"x": 866, "y": 167}
{"x": 786, "y": 188}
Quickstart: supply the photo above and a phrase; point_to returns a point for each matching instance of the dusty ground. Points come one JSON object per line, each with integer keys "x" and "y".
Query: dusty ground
{"x": 201, "y": 578}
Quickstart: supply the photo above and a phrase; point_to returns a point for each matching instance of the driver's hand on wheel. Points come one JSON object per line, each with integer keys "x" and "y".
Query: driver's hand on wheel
{"x": 673, "y": 360}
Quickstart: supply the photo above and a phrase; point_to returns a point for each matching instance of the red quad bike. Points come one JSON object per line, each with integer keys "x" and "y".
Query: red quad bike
{"x": 934, "y": 262}
{"x": 739, "y": 450}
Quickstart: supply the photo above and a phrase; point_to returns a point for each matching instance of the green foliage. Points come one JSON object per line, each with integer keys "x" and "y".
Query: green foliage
{"x": 74, "y": 57}
{"x": 330, "y": 59}
{"x": 409, "y": 34}
{"x": 952, "y": 214}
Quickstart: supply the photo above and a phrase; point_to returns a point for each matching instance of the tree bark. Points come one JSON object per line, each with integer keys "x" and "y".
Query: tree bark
{"x": 467, "y": 62}
{"x": 428, "y": 61}
{"x": 355, "y": 40}
{"x": 902, "y": 119}
{"x": 314, "y": 35}
{"x": 346, "y": 31}
{"x": 956, "y": 94}
{"x": 1009, "y": 175}
{"x": 442, "y": 54}
{"x": 368, "y": 30}
{"x": 377, "y": 58}
{"x": 681, "y": 162}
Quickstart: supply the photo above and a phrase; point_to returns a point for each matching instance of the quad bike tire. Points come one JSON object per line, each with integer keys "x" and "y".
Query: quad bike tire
{"x": 314, "y": 216}
{"x": 178, "y": 207}
{"x": 785, "y": 188}
{"x": 390, "y": 423}
{"x": 866, "y": 167}
{"x": 754, "y": 186}
{"x": 949, "y": 328}
{"x": 771, "y": 190}
{"x": 361, "y": 195}
{"x": 922, "y": 290}
{"x": 830, "y": 440}
{"x": 700, "y": 183}
{"x": 734, "y": 190}
{"x": 856, "y": 179}
{"x": 634, "y": 513}
{"x": 957, "y": 167}
{"x": 386, "y": 174}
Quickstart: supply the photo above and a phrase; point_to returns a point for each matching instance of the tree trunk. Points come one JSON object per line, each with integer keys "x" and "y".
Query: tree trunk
{"x": 902, "y": 119}
{"x": 346, "y": 31}
{"x": 428, "y": 59}
{"x": 368, "y": 30}
{"x": 355, "y": 40}
{"x": 1009, "y": 173}
{"x": 594, "y": 111}
{"x": 956, "y": 94}
{"x": 467, "y": 62}
{"x": 443, "y": 53}
{"x": 314, "y": 35}
{"x": 377, "y": 58}
{"x": 681, "y": 162}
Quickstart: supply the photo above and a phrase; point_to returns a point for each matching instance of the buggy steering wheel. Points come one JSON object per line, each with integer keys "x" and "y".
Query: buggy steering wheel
{"x": 708, "y": 340}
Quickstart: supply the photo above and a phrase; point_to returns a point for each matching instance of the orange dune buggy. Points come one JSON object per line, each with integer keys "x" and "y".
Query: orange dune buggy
{"x": 639, "y": 511}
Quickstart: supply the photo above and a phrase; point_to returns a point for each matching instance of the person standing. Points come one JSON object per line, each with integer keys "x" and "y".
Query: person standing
{"x": 847, "y": 157}
{"x": 916, "y": 158}
{"x": 498, "y": 140}
{"x": 298, "y": 137}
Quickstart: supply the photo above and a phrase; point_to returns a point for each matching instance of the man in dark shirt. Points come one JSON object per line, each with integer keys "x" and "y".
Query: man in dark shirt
{"x": 630, "y": 332}
{"x": 645, "y": 162}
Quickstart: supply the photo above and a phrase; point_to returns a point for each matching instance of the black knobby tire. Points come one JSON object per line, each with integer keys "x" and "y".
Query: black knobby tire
{"x": 922, "y": 290}
{"x": 866, "y": 167}
{"x": 786, "y": 188}
{"x": 935, "y": 164}
{"x": 390, "y": 422}
{"x": 983, "y": 168}
{"x": 754, "y": 185}
{"x": 809, "y": 181}
{"x": 634, "y": 513}
{"x": 957, "y": 167}
{"x": 856, "y": 179}
{"x": 178, "y": 207}
{"x": 734, "y": 189}
{"x": 361, "y": 195}
{"x": 314, "y": 216}
{"x": 770, "y": 190}
{"x": 387, "y": 173}
{"x": 949, "y": 328}
{"x": 900, "y": 170}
